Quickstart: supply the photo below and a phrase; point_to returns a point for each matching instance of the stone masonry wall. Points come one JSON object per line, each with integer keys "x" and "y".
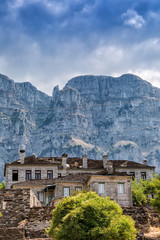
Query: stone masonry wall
{"x": 111, "y": 189}
{"x": 22, "y": 173}
{"x": 149, "y": 172}
{"x": 15, "y": 205}
{"x": 72, "y": 186}
{"x": 12, "y": 233}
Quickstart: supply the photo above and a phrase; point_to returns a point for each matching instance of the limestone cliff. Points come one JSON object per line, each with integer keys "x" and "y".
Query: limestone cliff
{"x": 91, "y": 114}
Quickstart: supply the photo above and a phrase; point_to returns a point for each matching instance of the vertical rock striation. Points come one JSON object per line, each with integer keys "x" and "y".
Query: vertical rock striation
{"x": 91, "y": 115}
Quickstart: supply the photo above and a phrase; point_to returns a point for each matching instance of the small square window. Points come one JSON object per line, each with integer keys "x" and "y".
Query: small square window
{"x": 38, "y": 174}
{"x": 143, "y": 175}
{"x": 40, "y": 196}
{"x": 66, "y": 191}
{"x": 101, "y": 188}
{"x": 15, "y": 175}
{"x": 133, "y": 175}
{"x": 50, "y": 174}
{"x": 28, "y": 175}
{"x": 120, "y": 188}
{"x": 78, "y": 189}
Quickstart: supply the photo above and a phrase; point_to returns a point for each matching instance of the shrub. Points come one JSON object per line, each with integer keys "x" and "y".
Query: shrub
{"x": 138, "y": 195}
{"x": 87, "y": 216}
{"x": 2, "y": 185}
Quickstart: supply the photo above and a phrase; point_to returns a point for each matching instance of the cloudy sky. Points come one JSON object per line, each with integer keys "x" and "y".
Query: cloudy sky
{"x": 47, "y": 42}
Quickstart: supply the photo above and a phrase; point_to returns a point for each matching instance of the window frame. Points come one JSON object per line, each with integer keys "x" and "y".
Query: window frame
{"x": 102, "y": 184}
{"x": 145, "y": 174}
{"x": 38, "y": 174}
{"x": 51, "y": 172}
{"x": 29, "y": 174}
{"x": 133, "y": 175}
{"x": 63, "y": 191}
{"x": 76, "y": 188}
{"x": 14, "y": 176}
{"x": 39, "y": 195}
{"x": 122, "y": 184}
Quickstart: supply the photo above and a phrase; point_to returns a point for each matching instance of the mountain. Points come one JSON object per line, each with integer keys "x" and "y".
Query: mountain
{"x": 91, "y": 115}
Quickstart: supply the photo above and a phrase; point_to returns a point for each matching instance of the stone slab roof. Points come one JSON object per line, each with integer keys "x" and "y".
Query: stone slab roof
{"x": 77, "y": 162}
{"x": 128, "y": 164}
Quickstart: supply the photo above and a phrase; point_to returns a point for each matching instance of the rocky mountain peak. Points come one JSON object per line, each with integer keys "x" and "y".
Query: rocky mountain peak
{"x": 91, "y": 115}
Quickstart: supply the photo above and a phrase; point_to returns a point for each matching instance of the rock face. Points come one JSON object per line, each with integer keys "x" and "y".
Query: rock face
{"x": 91, "y": 115}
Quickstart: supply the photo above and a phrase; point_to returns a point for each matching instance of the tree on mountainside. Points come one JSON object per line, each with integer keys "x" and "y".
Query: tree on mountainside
{"x": 87, "y": 216}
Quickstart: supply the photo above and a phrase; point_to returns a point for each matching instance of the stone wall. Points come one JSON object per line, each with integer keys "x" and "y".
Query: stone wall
{"x": 111, "y": 188}
{"x": 149, "y": 172}
{"x": 22, "y": 172}
{"x": 72, "y": 186}
{"x": 15, "y": 205}
{"x": 12, "y": 233}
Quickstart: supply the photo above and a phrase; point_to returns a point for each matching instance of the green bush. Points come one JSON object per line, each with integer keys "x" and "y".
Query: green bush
{"x": 87, "y": 216}
{"x": 138, "y": 195}
{"x": 2, "y": 185}
{"x": 141, "y": 190}
{"x": 155, "y": 202}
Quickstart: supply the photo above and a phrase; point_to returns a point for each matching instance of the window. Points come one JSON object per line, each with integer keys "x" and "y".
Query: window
{"x": 59, "y": 175}
{"x": 40, "y": 196}
{"x": 133, "y": 175}
{"x": 120, "y": 188}
{"x": 15, "y": 175}
{"x": 78, "y": 189}
{"x": 49, "y": 174}
{"x": 28, "y": 175}
{"x": 143, "y": 175}
{"x": 101, "y": 188}
{"x": 38, "y": 174}
{"x": 66, "y": 191}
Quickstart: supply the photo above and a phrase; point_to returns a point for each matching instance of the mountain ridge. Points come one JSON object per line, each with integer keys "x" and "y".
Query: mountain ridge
{"x": 94, "y": 115}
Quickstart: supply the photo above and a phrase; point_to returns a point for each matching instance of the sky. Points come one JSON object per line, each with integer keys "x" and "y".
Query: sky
{"x": 47, "y": 42}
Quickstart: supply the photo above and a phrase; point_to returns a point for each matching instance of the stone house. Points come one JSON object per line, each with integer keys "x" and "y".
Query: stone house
{"x": 53, "y": 178}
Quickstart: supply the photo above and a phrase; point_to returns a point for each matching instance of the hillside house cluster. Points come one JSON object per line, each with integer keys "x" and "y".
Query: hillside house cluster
{"x": 52, "y": 178}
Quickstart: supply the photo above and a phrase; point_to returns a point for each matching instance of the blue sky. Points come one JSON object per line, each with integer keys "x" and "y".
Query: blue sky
{"x": 47, "y": 42}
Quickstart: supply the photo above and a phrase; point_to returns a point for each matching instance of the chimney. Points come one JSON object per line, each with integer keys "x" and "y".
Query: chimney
{"x": 64, "y": 160}
{"x": 145, "y": 162}
{"x": 84, "y": 160}
{"x": 110, "y": 167}
{"x": 22, "y": 155}
{"x": 105, "y": 161}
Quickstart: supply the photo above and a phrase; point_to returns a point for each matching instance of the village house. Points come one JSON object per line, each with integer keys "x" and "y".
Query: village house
{"x": 53, "y": 178}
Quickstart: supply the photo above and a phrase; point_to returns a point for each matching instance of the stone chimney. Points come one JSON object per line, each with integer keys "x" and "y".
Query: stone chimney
{"x": 145, "y": 162}
{"x": 64, "y": 160}
{"x": 105, "y": 161}
{"x": 84, "y": 160}
{"x": 110, "y": 167}
{"x": 22, "y": 155}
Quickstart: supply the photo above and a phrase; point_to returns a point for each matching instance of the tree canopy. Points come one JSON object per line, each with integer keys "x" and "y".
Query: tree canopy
{"x": 87, "y": 216}
{"x": 147, "y": 191}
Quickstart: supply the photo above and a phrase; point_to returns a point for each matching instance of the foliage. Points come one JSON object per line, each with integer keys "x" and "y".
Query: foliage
{"x": 141, "y": 190}
{"x": 2, "y": 185}
{"x": 155, "y": 202}
{"x": 87, "y": 216}
{"x": 138, "y": 193}
{"x": 1, "y": 215}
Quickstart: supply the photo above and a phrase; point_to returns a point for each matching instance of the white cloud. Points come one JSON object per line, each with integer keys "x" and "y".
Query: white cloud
{"x": 132, "y": 19}
{"x": 150, "y": 75}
